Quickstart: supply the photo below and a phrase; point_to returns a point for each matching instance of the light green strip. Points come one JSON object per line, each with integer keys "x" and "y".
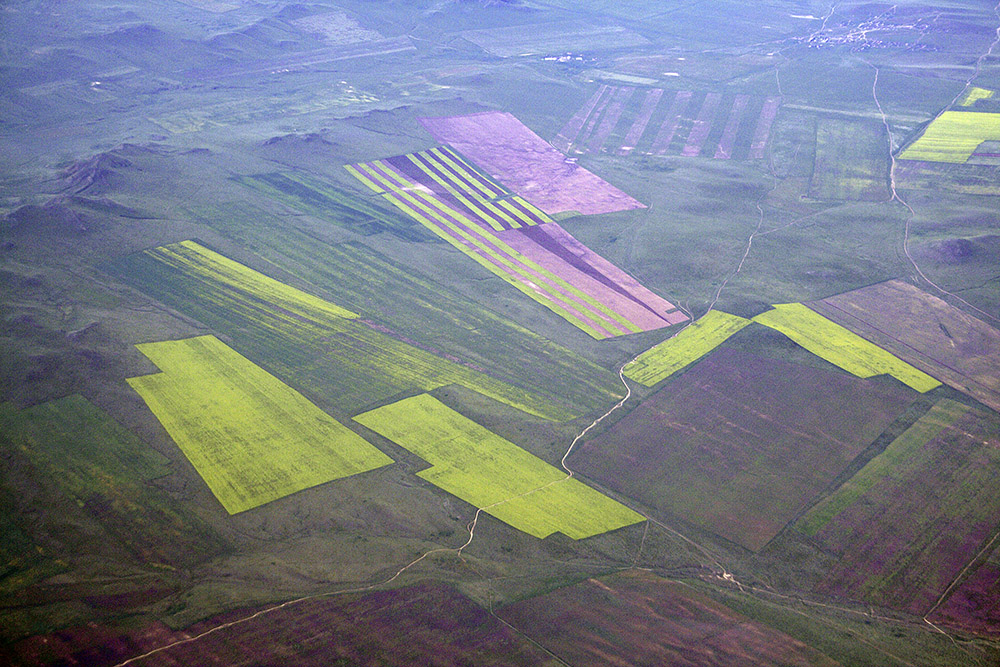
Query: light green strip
{"x": 560, "y": 282}
{"x": 488, "y": 203}
{"x": 841, "y": 346}
{"x": 449, "y": 157}
{"x": 547, "y": 300}
{"x": 484, "y": 215}
{"x": 364, "y": 179}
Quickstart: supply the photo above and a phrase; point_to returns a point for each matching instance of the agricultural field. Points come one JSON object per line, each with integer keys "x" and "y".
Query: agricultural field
{"x": 347, "y": 361}
{"x": 638, "y": 618}
{"x": 739, "y": 444}
{"x": 251, "y": 437}
{"x": 840, "y": 346}
{"x": 906, "y": 525}
{"x": 936, "y": 337}
{"x": 485, "y": 229}
{"x": 692, "y": 343}
{"x": 670, "y": 122}
{"x": 522, "y": 161}
{"x": 850, "y": 163}
{"x": 311, "y": 195}
{"x": 430, "y": 314}
{"x": 494, "y": 474}
{"x": 423, "y": 624}
{"x": 954, "y": 137}
{"x": 520, "y": 245}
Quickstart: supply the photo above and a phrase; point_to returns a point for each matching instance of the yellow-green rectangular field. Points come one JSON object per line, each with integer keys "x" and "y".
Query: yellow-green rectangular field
{"x": 492, "y": 473}
{"x": 691, "y": 344}
{"x": 840, "y": 346}
{"x": 251, "y": 437}
{"x": 953, "y": 137}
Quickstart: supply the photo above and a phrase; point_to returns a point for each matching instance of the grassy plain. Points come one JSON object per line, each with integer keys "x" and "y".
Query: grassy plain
{"x": 692, "y": 343}
{"x": 252, "y": 438}
{"x": 841, "y": 346}
{"x": 851, "y": 161}
{"x": 490, "y": 472}
{"x": 953, "y": 136}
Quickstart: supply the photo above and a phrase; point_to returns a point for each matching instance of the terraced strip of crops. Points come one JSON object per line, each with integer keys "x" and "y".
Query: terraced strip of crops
{"x": 490, "y": 472}
{"x": 251, "y": 437}
{"x": 690, "y": 124}
{"x": 454, "y": 180}
{"x": 590, "y": 294}
{"x": 840, "y": 346}
{"x": 343, "y": 363}
{"x": 953, "y": 137}
{"x": 694, "y": 342}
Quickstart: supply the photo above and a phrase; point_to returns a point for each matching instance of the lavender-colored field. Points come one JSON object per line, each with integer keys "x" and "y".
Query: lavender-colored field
{"x": 595, "y": 115}
{"x": 702, "y": 125}
{"x": 571, "y": 130}
{"x": 641, "y": 121}
{"x": 672, "y": 122}
{"x": 610, "y": 119}
{"x": 760, "y": 135}
{"x": 522, "y": 161}
{"x": 725, "y": 149}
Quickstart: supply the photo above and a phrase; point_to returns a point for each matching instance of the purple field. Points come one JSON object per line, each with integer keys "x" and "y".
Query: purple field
{"x": 526, "y": 164}
{"x": 672, "y": 122}
{"x": 725, "y": 148}
{"x": 641, "y": 121}
{"x": 702, "y": 126}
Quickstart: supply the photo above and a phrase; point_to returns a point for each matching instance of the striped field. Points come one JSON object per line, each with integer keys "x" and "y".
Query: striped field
{"x": 954, "y": 136}
{"x": 516, "y": 242}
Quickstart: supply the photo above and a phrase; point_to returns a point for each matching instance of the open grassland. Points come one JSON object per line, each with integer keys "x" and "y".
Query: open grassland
{"x": 490, "y": 472}
{"x": 524, "y": 162}
{"x": 943, "y": 341}
{"x": 740, "y": 444}
{"x": 350, "y": 362}
{"x": 692, "y": 343}
{"x": 954, "y": 136}
{"x": 637, "y": 618}
{"x": 840, "y": 346}
{"x": 431, "y": 314}
{"x": 98, "y": 476}
{"x": 541, "y": 260}
{"x": 252, "y": 438}
{"x": 851, "y": 161}
{"x": 907, "y": 523}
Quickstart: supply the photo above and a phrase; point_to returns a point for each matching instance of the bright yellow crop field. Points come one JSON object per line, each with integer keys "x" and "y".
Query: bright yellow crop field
{"x": 490, "y": 472}
{"x": 841, "y": 347}
{"x": 954, "y": 136}
{"x": 251, "y": 437}
{"x": 691, "y": 344}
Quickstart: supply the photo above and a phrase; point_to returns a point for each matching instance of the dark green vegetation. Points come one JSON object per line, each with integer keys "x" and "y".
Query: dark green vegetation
{"x": 133, "y": 126}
